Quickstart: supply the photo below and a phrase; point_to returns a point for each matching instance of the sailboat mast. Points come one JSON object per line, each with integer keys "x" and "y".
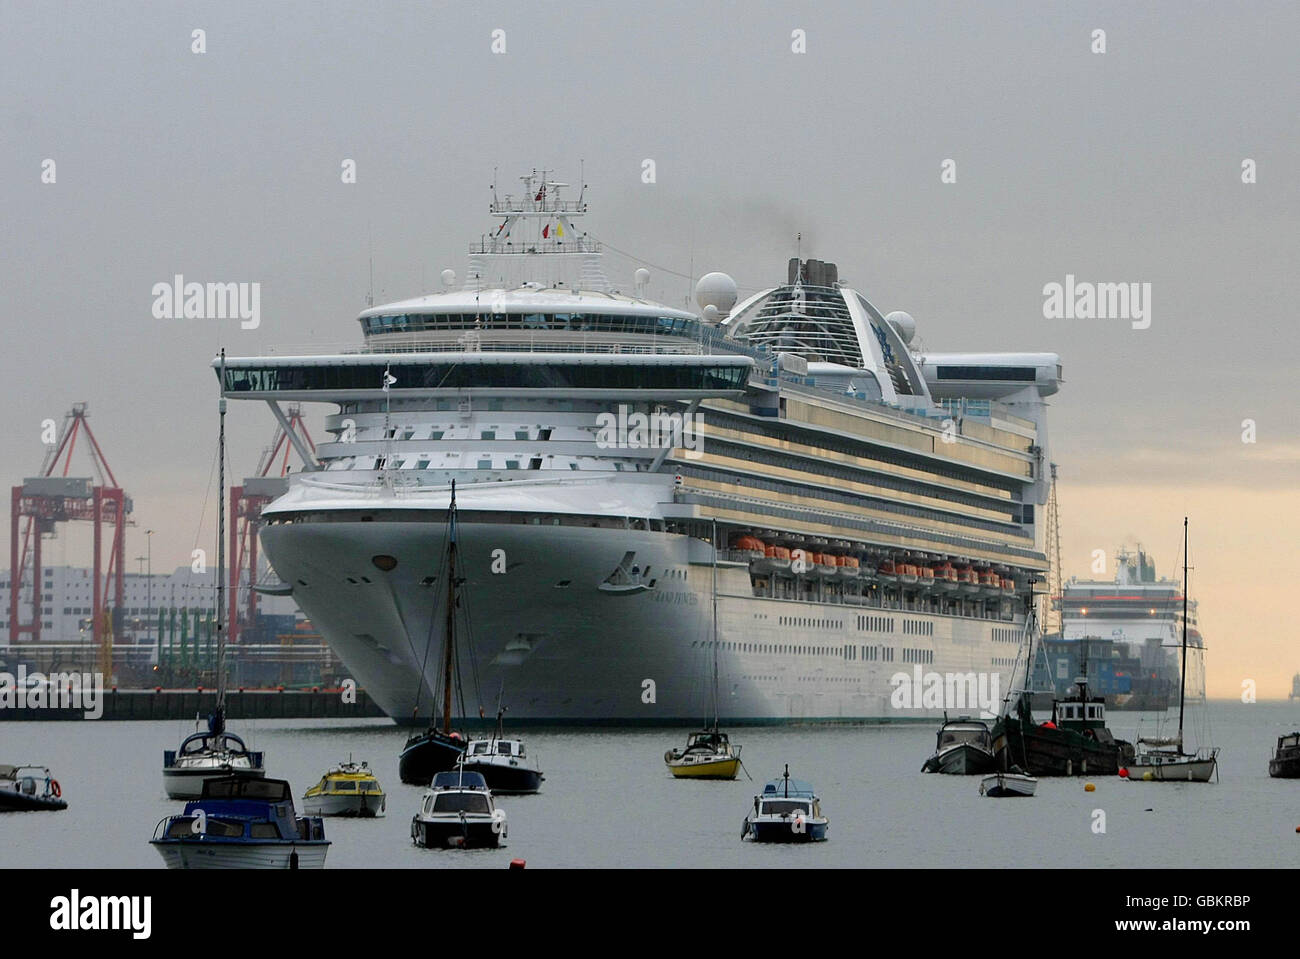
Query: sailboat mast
{"x": 716, "y": 717}
{"x": 451, "y": 613}
{"x": 1182, "y": 684}
{"x": 221, "y": 544}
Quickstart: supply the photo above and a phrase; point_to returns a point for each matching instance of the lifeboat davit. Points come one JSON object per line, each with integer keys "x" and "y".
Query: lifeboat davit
{"x": 945, "y": 577}
{"x": 776, "y": 559}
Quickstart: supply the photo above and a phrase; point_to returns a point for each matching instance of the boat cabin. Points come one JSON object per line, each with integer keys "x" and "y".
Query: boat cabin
{"x": 1080, "y": 711}
{"x": 786, "y": 797}
{"x": 964, "y": 731}
{"x": 708, "y": 740}
{"x": 207, "y": 743}
{"x": 250, "y": 809}
{"x": 457, "y": 792}
{"x": 513, "y": 748}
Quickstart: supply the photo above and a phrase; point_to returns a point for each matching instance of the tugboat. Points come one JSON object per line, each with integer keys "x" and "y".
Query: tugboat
{"x": 241, "y": 824}
{"x": 708, "y": 753}
{"x": 502, "y": 763}
{"x": 29, "y": 789}
{"x": 1074, "y": 742}
{"x": 1285, "y": 763}
{"x": 787, "y": 811}
{"x": 458, "y": 812}
{"x": 349, "y": 789}
{"x": 438, "y": 750}
{"x": 964, "y": 748}
{"x": 1163, "y": 760}
{"x": 216, "y": 752}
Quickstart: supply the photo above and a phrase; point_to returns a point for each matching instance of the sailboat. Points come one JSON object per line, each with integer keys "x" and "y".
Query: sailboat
{"x": 214, "y": 752}
{"x": 708, "y": 754}
{"x": 1163, "y": 759}
{"x": 438, "y": 750}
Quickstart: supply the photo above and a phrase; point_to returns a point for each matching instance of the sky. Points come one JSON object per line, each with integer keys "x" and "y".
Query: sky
{"x": 1117, "y": 166}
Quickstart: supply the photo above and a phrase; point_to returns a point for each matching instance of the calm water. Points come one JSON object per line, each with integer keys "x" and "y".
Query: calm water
{"x": 609, "y": 801}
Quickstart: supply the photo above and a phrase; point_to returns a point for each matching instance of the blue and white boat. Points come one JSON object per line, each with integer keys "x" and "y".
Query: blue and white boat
{"x": 787, "y": 811}
{"x": 240, "y": 823}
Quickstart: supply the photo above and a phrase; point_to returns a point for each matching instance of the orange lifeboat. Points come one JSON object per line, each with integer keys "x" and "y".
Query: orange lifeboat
{"x": 906, "y": 573}
{"x": 749, "y": 544}
{"x": 887, "y": 571}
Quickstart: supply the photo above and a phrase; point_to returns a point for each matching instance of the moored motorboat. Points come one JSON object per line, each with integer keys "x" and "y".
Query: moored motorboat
{"x": 1008, "y": 784}
{"x": 1285, "y": 763}
{"x": 502, "y": 762}
{"x": 964, "y": 748}
{"x": 457, "y": 812}
{"x": 29, "y": 789}
{"x": 241, "y": 824}
{"x": 348, "y": 789}
{"x": 788, "y": 810}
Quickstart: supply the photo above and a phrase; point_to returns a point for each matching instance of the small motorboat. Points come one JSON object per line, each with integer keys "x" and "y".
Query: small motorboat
{"x": 239, "y": 823}
{"x": 1013, "y": 783}
{"x": 787, "y": 811}
{"x": 964, "y": 748}
{"x": 457, "y": 812}
{"x": 1285, "y": 763}
{"x": 29, "y": 789}
{"x": 502, "y": 762}
{"x": 349, "y": 789}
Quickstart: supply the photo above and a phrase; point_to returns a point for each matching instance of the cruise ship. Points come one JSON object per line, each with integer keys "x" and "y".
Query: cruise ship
{"x": 876, "y": 508}
{"x": 1127, "y": 632}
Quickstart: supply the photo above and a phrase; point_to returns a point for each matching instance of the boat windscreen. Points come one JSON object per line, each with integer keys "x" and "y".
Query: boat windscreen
{"x": 781, "y": 807}
{"x": 461, "y": 802}
{"x": 267, "y": 790}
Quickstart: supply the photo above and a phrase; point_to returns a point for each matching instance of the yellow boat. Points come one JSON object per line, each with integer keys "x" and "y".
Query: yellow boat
{"x": 349, "y": 789}
{"x": 708, "y": 755}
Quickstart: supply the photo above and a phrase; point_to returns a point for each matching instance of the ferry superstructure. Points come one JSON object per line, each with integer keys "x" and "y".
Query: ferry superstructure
{"x": 877, "y": 507}
{"x": 1127, "y": 631}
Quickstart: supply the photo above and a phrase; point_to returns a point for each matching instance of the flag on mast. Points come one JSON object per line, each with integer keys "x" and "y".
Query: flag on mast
{"x": 546, "y": 231}
{"x": 389, "y": 379}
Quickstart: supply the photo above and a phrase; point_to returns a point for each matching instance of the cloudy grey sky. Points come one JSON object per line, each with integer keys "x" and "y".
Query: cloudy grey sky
{"x": 225, "y": 166}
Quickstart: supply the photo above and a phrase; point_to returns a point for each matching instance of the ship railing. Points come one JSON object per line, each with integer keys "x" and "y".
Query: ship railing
{"x": 513, "y": 205}
{"x": 548, "y": 245}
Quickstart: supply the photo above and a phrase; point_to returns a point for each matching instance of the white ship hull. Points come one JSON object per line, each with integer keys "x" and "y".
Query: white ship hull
{"x": 566, "y": 651}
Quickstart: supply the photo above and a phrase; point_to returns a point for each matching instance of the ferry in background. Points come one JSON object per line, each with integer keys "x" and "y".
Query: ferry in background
{"x": 1124, "y": 634}
{"x": 877, "y": 507}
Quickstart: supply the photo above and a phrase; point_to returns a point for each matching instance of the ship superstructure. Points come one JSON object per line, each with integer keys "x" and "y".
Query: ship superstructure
{"x": 876, "y": 506}
{"x": 1126, "y": 632}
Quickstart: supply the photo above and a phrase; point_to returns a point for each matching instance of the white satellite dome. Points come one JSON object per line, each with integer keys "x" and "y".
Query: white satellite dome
{"x": 710, "y": 314}
{"x": 903, "y": 325}
{"x": 716, "y": 289}
{"x": 449, "y": 278}
{"x": 641, "y": 277}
